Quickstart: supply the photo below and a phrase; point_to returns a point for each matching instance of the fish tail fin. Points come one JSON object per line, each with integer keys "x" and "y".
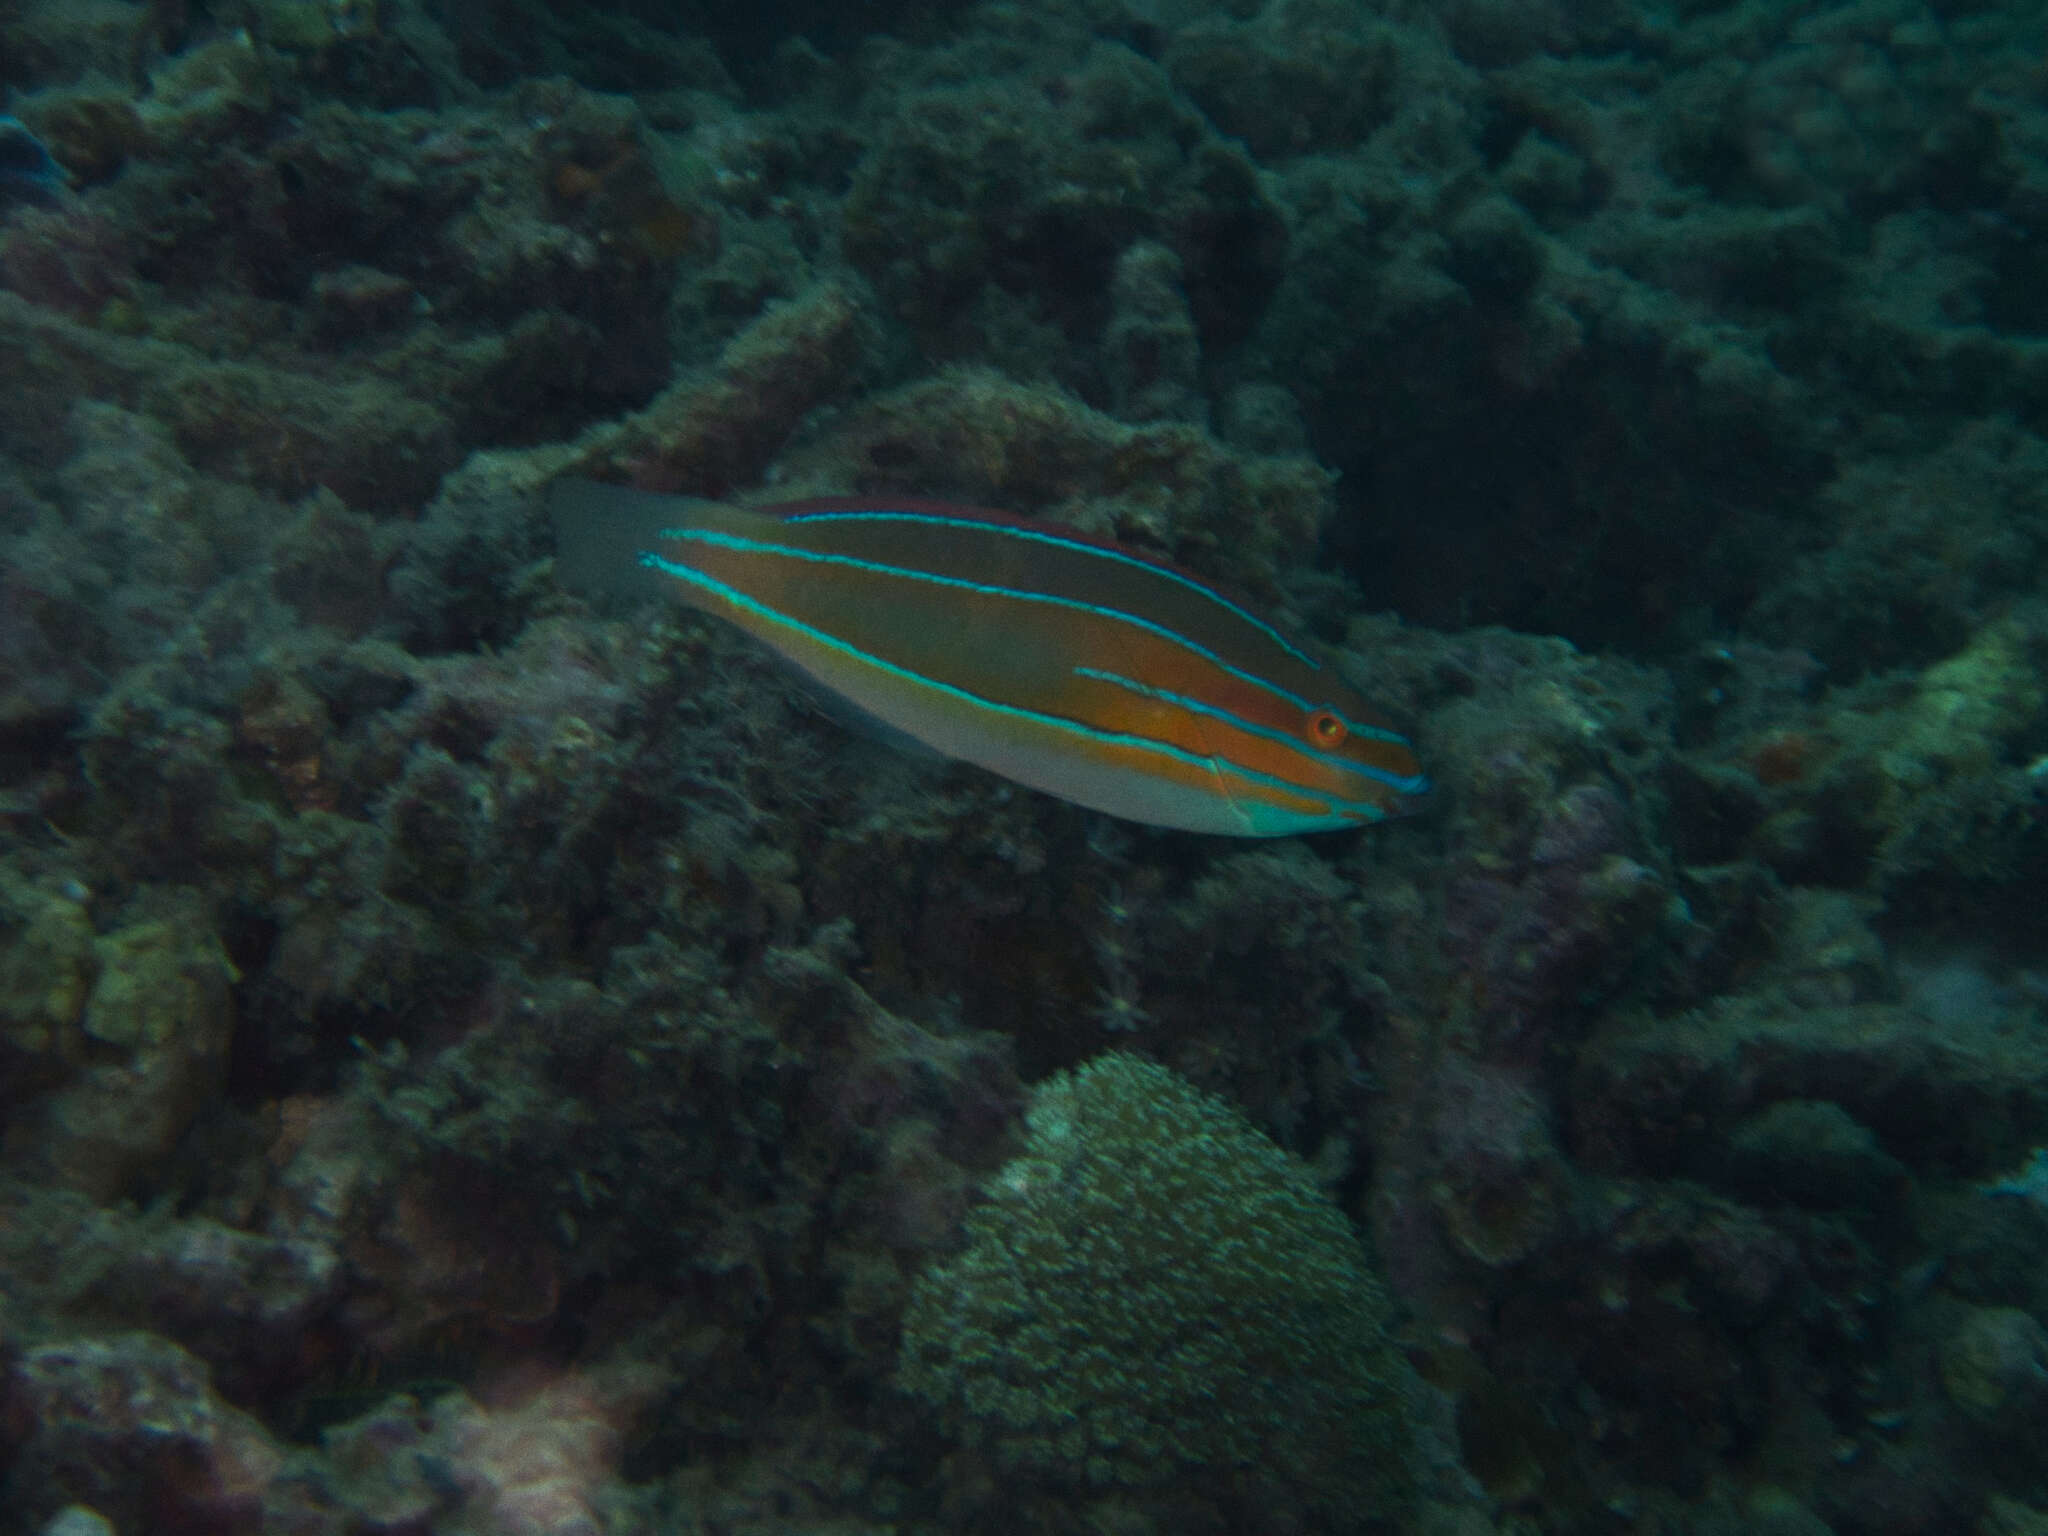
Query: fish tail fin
{"x": 601, "y": 531}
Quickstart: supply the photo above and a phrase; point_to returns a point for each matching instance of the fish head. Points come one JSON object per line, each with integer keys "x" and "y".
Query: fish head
{"x": 1323, "y": 761}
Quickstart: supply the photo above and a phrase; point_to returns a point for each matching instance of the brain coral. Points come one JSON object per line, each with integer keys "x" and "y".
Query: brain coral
{"x": 1155, "y": 1294}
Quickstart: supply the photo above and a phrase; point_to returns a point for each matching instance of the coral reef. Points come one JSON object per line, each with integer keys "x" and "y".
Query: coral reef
{"x": 1147, "y": 1256}
{"x": 149, "y": 1051}
{"x": 27, "y": 173}
{"x": 129, "y": 1425}
{"x": 480, "y": 1052}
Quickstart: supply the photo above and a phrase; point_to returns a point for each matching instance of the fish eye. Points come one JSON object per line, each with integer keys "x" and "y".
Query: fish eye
{"x": 1326, "y": 728}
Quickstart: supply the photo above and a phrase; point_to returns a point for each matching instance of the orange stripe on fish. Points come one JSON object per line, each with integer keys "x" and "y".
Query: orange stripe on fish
{"x": 1074, "y": 665}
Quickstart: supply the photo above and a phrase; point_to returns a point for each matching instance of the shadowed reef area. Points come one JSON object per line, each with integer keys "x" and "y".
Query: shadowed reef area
{"x": 477, "y": 1058}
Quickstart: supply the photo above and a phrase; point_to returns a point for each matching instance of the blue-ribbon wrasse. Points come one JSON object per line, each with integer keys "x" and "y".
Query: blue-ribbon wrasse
{"x": 1071, "y": 664}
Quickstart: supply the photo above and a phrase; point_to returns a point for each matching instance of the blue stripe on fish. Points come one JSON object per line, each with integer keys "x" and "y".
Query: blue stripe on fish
{"x": 1102, "y": 675}
{"x": 690, "y": 576}
{"x": 1408, "y": 785}
{"x": 816, "y": 557}
{"x": 1080, "y": 545}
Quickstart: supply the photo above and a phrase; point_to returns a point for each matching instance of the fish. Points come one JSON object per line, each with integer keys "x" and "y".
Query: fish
{"x": 1073, "y": 665}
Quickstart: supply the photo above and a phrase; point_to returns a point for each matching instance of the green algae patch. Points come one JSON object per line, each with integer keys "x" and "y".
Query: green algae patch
{"x": 46, "y": 970}
{"x": 1155, "y": 1295}
{"x": 1968, "y": 708}
{"x": 155, "y": 1027}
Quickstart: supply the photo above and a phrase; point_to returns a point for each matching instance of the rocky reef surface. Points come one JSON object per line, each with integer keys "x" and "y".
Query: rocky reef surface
{"x": 473, "y": 1060}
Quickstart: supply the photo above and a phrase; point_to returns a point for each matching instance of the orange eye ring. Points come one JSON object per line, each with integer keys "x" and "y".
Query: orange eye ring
{"x": 1326, "y": 728}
